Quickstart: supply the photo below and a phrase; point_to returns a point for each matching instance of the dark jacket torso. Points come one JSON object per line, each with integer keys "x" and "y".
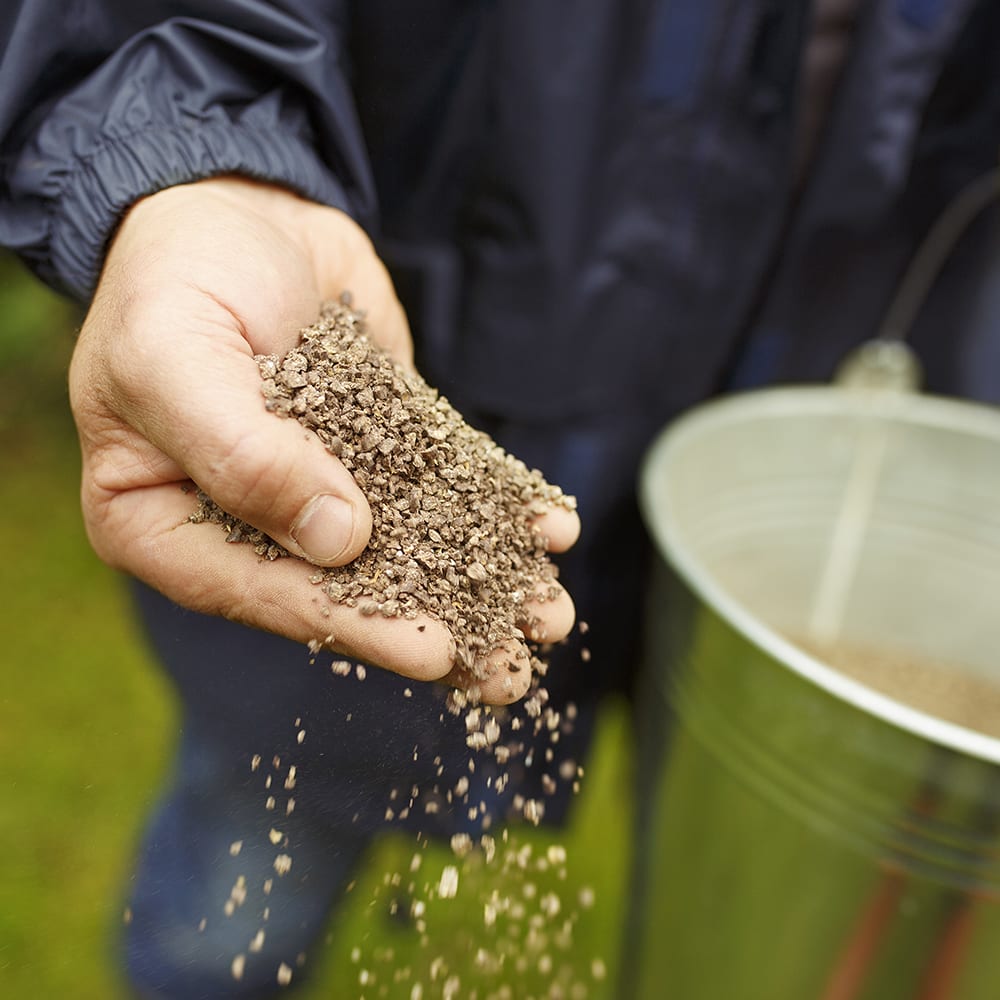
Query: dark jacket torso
{"x": 590, "y": 206}
{"x": 610, "y": 216}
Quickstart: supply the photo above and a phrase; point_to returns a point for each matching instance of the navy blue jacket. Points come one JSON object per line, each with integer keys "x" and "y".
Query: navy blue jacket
{"x": 588, "y": 205}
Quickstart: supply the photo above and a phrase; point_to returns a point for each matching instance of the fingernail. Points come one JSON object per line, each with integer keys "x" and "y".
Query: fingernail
{"x": 324, "y": 528}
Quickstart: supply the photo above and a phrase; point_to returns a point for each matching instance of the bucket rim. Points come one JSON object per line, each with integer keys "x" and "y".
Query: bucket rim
{"x": 908, "y": 408}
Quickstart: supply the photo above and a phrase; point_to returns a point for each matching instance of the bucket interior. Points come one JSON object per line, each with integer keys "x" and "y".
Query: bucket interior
{"x": 862, "y": 527}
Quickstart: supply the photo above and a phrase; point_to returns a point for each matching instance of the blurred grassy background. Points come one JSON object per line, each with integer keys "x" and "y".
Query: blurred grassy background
{"x": 87, "y": 725}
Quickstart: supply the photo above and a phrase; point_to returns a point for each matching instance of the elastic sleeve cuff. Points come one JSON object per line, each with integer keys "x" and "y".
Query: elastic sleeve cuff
{"x": 100, "y": 187}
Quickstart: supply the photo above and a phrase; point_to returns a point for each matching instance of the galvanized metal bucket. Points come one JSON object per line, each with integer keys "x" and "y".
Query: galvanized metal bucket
{"x": 818, "y": 825}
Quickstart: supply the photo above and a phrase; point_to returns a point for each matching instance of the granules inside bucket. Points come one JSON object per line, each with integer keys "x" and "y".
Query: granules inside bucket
{"x": 950, "y": 691}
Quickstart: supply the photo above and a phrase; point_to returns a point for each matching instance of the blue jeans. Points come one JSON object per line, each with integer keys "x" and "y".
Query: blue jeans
{"x": 246, "y": 694}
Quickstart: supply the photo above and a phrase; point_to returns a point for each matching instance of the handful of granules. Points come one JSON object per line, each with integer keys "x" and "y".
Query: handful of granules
{"x": 452, "y": 512}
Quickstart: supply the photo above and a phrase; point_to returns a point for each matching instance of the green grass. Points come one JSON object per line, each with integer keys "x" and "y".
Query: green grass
{"x": 87, "y": 726}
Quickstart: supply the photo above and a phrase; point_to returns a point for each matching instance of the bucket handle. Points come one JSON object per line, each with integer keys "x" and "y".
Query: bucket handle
{"x": 886, "y": 362}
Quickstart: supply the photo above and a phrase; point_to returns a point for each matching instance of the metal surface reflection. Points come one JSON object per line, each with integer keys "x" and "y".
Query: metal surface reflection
{"x": 812, "y": 832}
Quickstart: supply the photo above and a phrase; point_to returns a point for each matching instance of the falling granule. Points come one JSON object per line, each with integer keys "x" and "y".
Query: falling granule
{"x": 202, "y": 924}
{"x": 127, "y": 915}
{"x": 269, "y": 803}
{"x": 255, "y": 762}
{"x": 556, "y": 854}
{"x": 587, "y": 897}
{"x": 275, "y": 836}
{"x": 417, "y": 992}
{"x": 533, "y": 811}
{"x": 461, "y": 844}
{"x": 258, "y": 941}
{"x": 489, "y": 846}
{"x": 448, "y": 885}
{"x": 268, "y": 885}
{"x": 341, "y": 667}
{"x": 237, "y": 896}
{"x": 289, "y": 807}
{"x": 284, "y": 974}
{"x": 598, "y": 969}
{"x": 290, "y": 780}
{"x": 237, "y": 967}
{"x": 282, "y": 864}
{"x": 235, "y": 847}
{"x": 301, "y": 736}
{"x": 361, "y": 672}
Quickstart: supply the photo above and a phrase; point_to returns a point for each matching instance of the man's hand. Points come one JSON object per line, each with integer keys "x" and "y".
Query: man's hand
{"x": 166, "y": 393}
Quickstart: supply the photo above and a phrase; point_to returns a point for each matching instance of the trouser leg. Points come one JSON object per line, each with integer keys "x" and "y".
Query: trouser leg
{"x": 214, "y": 912}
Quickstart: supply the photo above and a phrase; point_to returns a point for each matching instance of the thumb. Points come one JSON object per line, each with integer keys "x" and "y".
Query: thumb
{"x": 209, "y": 416}
{"x": 278, "y": 476}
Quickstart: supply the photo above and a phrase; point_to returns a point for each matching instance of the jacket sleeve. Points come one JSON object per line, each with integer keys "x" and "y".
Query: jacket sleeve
{"x": 103, "y": 101}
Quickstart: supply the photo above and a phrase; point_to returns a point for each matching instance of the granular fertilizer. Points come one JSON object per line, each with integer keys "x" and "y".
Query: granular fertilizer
{"x": 453, "y": 515}
{"x": 453, "y": 538}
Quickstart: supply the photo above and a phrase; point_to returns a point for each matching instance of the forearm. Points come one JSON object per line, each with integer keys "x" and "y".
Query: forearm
{"x": 137, "y": 98}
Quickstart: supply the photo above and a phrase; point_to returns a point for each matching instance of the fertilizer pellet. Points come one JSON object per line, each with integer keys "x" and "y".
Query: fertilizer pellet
{"x": 237, "y": 967}
{"x": 448, "y": 884}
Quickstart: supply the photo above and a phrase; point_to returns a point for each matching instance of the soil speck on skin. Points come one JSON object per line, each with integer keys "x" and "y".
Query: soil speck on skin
{"x": 453, "y": 533}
